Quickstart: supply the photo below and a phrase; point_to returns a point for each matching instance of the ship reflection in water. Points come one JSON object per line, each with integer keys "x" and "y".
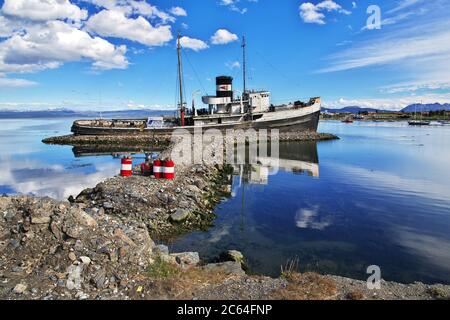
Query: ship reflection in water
{"x": 295, "y": 158}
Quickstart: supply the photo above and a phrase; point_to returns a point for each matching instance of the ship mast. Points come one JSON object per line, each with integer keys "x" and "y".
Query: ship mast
{"x": 244, "y": 44}
{"x": 180, "y": 79}
{"x": 244, "y": 70}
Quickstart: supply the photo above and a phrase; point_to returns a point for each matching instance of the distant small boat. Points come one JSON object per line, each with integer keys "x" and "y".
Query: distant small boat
{"x": 419, "y": 123}
{"x": 348, "y": 120}
{"x": 444, "y": 121}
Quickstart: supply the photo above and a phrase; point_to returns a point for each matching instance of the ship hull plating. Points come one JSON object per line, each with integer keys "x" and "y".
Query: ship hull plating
{"x": 306, "y": 119}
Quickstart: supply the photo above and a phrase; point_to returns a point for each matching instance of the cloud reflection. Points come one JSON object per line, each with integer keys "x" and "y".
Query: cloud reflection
{"x": 40, "y": 179}
{"x": 310, "y": 219}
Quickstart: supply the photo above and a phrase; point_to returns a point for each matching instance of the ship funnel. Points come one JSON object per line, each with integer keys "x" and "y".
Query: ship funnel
{"x": 224, "y": 87}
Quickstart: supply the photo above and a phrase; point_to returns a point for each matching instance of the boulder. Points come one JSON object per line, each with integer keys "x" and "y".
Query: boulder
{"x": 232, "y": 255}
{"x": 179, "y": 216}
{"x": 20, "y": 288}
{"x": 229, "y": 267}
{"x": 122, "y": 236}
{"x": 83, "y": 218}
{"x": 40, "y": 219}
{"x": 187, "y": 259}
{"x": 194, "y": 188}
{"x": 161, "y": 249}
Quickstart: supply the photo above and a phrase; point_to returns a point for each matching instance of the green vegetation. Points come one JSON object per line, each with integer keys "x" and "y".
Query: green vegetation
{"x": 290, "y": 268}
{"x": 161, "y": 269}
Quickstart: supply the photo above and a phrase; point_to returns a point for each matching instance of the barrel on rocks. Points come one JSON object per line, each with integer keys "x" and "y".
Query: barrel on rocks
{"x": 127, "y": 167}
{"x": 146, "y": 169}
{"x": 158, "y": 169}
{"x": 169, "y": 169}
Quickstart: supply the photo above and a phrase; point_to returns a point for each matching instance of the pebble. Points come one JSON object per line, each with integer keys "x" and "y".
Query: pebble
{"x": 72, "y": 256}
{"x": 20, "y": 288}
{"x": 85, "y": 260}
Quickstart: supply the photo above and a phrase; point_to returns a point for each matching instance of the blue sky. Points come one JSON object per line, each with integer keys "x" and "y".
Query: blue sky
{"x": 119, "y": 54}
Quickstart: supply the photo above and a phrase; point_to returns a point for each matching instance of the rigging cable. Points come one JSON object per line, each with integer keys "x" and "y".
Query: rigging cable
{"x": 195, "y": 72}
{"x": 278, "y": 70}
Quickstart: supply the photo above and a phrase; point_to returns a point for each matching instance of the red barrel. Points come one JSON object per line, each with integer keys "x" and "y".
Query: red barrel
{"x": 169, "y": 169}
{"x": 157, "y": 169}
{"x": 146, "y": 169}
{"x": 127, "y": 167}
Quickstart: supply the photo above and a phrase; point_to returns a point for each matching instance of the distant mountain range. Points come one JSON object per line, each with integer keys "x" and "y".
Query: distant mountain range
{"x": 411, "y": 108}
{"x": 350, "y": 109}
{"x": 143, "y": 113}
{"x": 65, "y": 113}
{"x": 418, "y": 107}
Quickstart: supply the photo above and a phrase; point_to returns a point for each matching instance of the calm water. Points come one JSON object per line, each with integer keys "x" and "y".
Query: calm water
{"x": 380, "y": 195}
{"x": 31, "y": 167}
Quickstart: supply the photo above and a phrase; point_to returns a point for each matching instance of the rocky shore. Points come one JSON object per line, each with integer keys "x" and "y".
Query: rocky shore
{"x": 111, "y": 141}
{"x": 102, "y": 244}
{"x": 60, "y": 250}
{"x": 163, "y": 141}
{"x": 166, "y": 207}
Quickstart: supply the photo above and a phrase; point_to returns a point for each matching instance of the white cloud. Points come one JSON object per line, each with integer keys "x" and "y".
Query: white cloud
{"x": 49, "y": 45}
{"x": 310, "y": 14}
{"x": 36, "y": 35}
{"x": 424, "y": 49}
{"x": 232, "y": 5}
{"x": 39, "y": 10}
{"x": 413, "y": 51}
{"x": 314, "y": 13}
{"x": 193, "y": 44}
{"x": 223, "y": 36}
{"x": 6, "y": 27}
{"x": 115, "y": 23}
{"x": 178, "y": 11}
{"x": 403, "y": 5}
{"x": 137, "y": 7}
{"x": 233, "y": 64}
{"x": 15, "y": 83}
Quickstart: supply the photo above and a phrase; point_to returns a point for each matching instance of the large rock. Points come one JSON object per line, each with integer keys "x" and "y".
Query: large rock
{"x": 161, "y": 249}
{"x": 180, "y": 215}
{"x": 122, "y": 236}
{"x": 193, "y": 188}
{"x": 186, "y": 259}
{"x": 83, "y": 218}
{"x": 229, "y": 267}
{"x": 233, "y": 255}
{"x": 40, "y": 219}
